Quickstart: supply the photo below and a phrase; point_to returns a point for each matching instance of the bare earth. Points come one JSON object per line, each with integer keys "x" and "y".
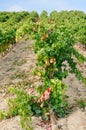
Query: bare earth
{"x": 17, "y": 68}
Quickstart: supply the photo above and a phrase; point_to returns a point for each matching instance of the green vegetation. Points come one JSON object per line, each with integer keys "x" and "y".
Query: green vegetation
{"x": 14, "y": 26}
{"x": 55, "y": 36}
{"x": 9, "y": 23}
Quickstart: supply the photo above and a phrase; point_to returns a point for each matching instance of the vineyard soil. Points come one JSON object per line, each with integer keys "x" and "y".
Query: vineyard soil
{"x": 16, "y": 69}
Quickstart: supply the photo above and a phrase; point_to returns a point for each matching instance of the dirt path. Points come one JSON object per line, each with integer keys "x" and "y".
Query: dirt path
{"x": 14, "y": 61}
{"x": 16, "y": 67}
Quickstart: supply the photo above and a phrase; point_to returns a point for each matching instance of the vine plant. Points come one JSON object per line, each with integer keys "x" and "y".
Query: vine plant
{"x": 56, "y": 58}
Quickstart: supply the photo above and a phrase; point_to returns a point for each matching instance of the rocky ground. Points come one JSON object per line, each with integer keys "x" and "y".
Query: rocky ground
{"x": 17, "y": 67}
